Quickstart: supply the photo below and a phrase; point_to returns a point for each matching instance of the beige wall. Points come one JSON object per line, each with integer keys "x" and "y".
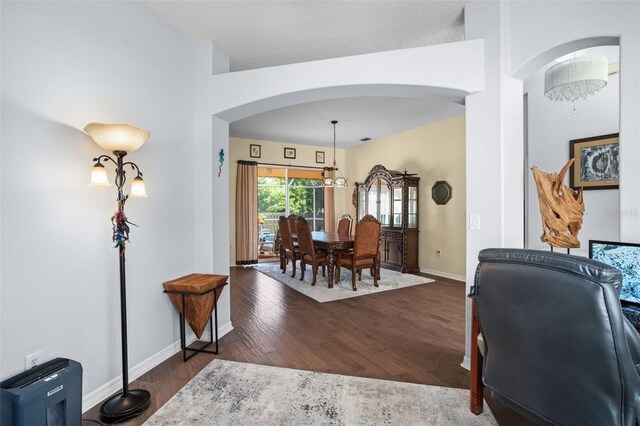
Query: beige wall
{"x": 273, "y": 152}
{"x": 435, "y": 152}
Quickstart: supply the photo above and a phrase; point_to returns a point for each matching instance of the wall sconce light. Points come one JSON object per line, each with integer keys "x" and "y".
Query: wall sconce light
{"x": 121, "y": 139}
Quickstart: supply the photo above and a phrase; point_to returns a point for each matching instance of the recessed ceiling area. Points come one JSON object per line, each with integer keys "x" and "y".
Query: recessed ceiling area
{"x": 259, "y": 34}
{"x": 372, "y": 117}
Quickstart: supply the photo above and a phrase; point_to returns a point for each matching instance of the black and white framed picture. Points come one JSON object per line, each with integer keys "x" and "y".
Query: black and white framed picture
{"x": 597, "y": 162}
{"x": 320, "y": 157}
{"x": 290, "y": 153}
{"x": 255, "y": 151}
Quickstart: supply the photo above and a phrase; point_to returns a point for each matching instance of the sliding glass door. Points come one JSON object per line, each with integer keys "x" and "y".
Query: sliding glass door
{"x": 285, "y": 191}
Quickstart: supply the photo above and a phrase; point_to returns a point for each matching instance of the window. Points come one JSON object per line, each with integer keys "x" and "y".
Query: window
{"x": 284, "y": 191}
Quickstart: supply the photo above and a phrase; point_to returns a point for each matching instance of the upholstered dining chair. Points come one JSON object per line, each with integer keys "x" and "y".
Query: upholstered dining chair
{"x": 556, "y": 346}
{"x": 292, "y": 218}
{"x": 344, "y": 224}
{"x": 308, "y": 254}
{"x": 365, "y": 251}
{"x": 288, "y": 249}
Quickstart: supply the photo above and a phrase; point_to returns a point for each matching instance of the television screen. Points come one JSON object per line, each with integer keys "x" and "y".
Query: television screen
{"x": 625, "y": 257}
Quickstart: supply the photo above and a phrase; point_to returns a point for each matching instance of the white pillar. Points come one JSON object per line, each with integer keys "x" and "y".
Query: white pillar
{"x": 211, "y": 192}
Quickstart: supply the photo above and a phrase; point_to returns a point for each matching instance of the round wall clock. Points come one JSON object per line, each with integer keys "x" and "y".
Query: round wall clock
{"x": 441, "y": 192}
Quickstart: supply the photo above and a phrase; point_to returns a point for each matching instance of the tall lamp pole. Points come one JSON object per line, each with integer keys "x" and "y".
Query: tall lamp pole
{"x": 120, "y": 138}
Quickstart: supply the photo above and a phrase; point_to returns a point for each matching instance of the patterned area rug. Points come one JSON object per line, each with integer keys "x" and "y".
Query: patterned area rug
{"x": 228, "y": 392}
{"x": 389, "y": 280}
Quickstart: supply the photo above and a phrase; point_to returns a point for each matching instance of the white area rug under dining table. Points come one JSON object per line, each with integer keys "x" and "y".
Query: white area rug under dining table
{"x": 389, "y": 280}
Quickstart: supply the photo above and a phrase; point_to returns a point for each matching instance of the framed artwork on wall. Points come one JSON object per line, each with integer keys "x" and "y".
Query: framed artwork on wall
{"x": 290, "y": 153}
{"x": 320, "y": 157}
{"x": 597, "y": 162}
{"x": 255, "y": 151}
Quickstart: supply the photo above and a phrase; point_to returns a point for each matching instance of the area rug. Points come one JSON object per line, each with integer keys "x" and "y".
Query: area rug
{"x": 233, "y": 393}
{"x": 389, "y": 280}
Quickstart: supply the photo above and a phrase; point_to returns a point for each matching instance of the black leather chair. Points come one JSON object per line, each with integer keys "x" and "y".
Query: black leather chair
{"x": 555, "y": 344}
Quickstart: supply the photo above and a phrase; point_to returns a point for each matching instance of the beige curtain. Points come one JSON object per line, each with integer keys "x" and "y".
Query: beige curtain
{"x": 329, "y": 208}
{"x": 247, "y": 213}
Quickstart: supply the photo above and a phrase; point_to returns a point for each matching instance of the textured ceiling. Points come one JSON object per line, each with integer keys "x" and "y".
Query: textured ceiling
{"x": 259, "y": 34}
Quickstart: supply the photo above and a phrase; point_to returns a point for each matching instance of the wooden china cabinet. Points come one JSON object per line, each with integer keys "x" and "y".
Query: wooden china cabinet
{"x": 392, "y": 197}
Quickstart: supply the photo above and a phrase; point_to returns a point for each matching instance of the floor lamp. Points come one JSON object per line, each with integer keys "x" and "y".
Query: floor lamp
{"x": 121, "y": 139}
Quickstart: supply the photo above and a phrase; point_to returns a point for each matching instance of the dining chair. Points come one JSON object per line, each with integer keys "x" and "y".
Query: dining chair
{"x": 308, "y": 254}
{"x": 344, "y": 224}
{"x": 292, "y": 224}
{"x": 365, "y": 251}
{"x": 288, "y": 249}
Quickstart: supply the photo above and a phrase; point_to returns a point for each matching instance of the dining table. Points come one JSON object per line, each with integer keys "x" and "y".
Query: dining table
{"x": 331, "y": 243}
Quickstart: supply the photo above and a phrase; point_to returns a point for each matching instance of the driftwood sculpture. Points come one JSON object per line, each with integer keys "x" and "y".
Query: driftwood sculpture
{"x": 561, "y": 208}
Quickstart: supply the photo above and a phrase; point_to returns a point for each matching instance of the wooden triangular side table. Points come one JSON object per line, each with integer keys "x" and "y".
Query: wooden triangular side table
{"x": 196, "y": 297}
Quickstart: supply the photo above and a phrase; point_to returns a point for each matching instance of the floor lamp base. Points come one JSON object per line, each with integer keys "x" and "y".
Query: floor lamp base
{"x": 119, "y": 407}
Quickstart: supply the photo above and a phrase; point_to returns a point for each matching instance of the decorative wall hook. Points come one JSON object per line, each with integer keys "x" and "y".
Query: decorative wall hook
{"x": 221, "y": 160}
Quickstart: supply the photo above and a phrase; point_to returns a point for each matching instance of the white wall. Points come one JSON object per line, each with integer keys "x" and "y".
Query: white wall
{"x": 597, "y": 20}
{"x": 551, "y": 126}
{"x": 494, "y": 145}
{"x": 211, "y": 192}
{"x": 65, "y": 64}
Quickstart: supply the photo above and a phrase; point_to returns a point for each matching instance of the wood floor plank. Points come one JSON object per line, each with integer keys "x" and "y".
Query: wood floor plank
{"x": 415, "y": 334}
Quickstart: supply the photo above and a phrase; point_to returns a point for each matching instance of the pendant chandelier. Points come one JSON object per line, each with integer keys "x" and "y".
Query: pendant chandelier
{"x": 576, "y": 78}
{"x": 336, "y": 179}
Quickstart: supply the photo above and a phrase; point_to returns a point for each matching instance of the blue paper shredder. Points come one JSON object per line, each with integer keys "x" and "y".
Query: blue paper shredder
{"x": 46, "y": 395}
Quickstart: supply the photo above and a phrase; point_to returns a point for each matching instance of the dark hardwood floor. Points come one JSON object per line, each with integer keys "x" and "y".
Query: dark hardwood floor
{"x": 415, "y": 334}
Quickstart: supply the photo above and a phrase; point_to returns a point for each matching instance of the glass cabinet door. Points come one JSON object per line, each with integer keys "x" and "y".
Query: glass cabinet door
{"x": 412, "y": 202}
{"x": 372, "y": 200}
{"x": 362, "y": 202}
{"x": 397, "y": 207}
{"x": 385, "y": 204}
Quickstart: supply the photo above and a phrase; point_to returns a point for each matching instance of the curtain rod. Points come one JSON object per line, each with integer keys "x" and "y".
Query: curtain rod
{"x": 290, "y": 165}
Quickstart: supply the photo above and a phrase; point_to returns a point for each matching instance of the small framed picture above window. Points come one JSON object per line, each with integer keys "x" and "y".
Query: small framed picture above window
{"x": 320, "y": 157}
{"x": 290, "y": 153}
{"x": 255, "y": 151}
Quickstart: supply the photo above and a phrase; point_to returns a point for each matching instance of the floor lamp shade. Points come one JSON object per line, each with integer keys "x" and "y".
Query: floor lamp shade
{"x": 117, "y": 136}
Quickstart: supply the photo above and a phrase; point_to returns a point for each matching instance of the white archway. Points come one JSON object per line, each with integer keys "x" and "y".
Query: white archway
{"x": 447, "y": 72}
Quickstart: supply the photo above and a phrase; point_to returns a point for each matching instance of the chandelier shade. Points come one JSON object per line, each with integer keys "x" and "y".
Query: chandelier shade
{"x": 576, "y": 78}
{"x": 117, "y": 136}
{"x": 335, "y": 179}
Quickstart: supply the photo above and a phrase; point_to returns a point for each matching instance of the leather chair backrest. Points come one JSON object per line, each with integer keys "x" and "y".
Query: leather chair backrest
{"x": 305, "y": 241}
{"x": 554, "y": 335}
{"x": 367, "y": 237}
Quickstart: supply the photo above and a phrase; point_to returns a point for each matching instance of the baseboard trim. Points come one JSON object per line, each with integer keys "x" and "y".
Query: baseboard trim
{"x": 443, "y": 274}
{"x": 466, "y": 363}
{"x": 92, "y": 398}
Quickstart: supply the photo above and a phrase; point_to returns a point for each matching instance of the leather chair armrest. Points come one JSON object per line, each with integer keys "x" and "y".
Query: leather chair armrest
{"x": 633, "y": 341}
{"x": 482, "y": 346}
